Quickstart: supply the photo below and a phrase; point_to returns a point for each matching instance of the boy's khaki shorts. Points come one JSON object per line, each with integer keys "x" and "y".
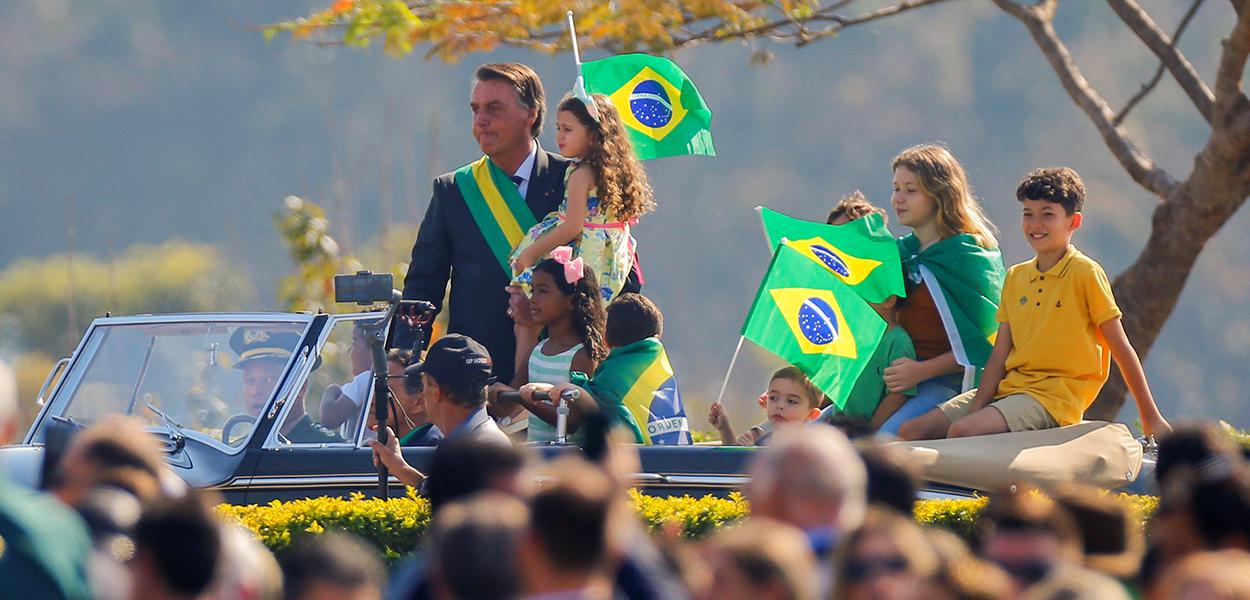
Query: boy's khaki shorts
{"x": 1021, "y": 411}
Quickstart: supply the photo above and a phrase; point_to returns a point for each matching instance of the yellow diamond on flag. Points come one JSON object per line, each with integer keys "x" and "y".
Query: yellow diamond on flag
{"x": 849, "y": 268}
{"x": 815, "y": 319}
{"x": 649, "y": 104}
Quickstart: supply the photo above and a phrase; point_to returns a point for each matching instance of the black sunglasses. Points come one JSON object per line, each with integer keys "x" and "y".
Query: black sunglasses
{"x": 858, "y": 570}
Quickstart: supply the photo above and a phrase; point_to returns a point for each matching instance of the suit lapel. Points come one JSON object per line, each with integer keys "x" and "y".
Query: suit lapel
{"x": 541, "y": 187}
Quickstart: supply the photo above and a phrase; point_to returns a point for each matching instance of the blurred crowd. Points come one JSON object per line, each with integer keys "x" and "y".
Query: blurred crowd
{"x": 830, "y": 518}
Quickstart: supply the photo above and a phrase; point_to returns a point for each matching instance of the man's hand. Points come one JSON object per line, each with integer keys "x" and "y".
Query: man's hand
{"x": 388, "y": 454}
{"x": 903, "y": 374}
{"x": 519, "y": 307}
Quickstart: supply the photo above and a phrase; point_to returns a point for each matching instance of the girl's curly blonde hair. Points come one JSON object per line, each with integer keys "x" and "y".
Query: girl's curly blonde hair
{"x": 619, "y": 176}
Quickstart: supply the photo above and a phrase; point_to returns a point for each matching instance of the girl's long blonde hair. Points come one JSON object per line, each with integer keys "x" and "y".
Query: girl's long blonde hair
{"x": 623, "y": 187}
{"x": 943, "y": 179}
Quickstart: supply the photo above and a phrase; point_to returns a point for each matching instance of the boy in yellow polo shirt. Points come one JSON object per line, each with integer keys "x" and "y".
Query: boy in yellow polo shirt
{"x": 1059, "y": 329}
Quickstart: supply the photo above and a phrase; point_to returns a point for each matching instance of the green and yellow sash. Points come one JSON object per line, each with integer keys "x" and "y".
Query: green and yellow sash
{"x": 497, "y": 207}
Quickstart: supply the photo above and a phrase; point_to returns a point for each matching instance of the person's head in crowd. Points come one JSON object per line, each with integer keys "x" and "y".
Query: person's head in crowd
{"x": 8, "y": 404}
{"x": 1203, "y": 509}
{"x": 791, "y": 399}
{"x": 854, "y": 206}
{"x": 1078, "y": 583}
{"x": 177, "y": 548}
{"x": 962, "y": 575}
{"x": 1220, "y": 575}
{"x": 631, "y": 318}
{"x": 473, "y": 548}
{"x": 263, "y": 355}
{"x": 248, "y": 570}
{"x": 1190, "y": 445}
{"x": 572, "y": 533}
{"x": 1111, "y": 536}
{"x": 931, "y": 192}
{"x": 886, "y": 558}
{"x": 1029, "y": 535}
{"x": 892, "y": 481}
{"x": 116, "y": 446}
{"x": 453, "y": 376}
{"x": 811, "y": 478}
{"x": 561, "y": 299}
{"x": 462, "y": 467}
{"x": 331, "y": 565}
{"x": 760, "y": 559}
{"x": 508, "y": 105}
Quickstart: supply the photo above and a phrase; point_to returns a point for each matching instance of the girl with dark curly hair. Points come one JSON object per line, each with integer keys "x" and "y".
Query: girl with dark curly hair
{"x": 566, "y": 301}
{"x": 605, "y": 193}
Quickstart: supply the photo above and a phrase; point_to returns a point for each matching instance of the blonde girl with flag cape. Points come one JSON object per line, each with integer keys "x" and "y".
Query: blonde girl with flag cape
{"x": 954, "y": 278}
{"x": 605, "y": 193}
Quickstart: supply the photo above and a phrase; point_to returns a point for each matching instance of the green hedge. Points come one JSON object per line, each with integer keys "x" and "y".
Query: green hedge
{"x": 396, "y": 526}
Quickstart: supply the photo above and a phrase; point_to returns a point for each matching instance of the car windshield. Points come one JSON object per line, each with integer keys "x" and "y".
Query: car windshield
{"x": 205, "y": 380}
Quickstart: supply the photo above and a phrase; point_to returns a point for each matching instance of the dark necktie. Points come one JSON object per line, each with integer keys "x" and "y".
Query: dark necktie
{"x": 518, "y": 180}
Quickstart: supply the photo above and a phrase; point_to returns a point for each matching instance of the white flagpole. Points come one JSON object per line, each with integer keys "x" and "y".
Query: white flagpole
{"x": 725, "y": 384}
{"x": 577, "y": 55}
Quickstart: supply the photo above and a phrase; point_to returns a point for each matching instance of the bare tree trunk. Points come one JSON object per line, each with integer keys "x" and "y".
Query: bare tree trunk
{"x": 1148, "y": 290}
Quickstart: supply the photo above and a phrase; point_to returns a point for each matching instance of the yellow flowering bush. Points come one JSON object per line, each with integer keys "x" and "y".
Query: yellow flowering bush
{"x": 396, "y": 526}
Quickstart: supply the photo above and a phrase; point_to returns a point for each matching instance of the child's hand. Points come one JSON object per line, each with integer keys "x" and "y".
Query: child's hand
{"x": 903, "y": 374}
{"x": 748, "y": 438}
{"x": 525, "y": 260}
{"x": 716, "y": 415}
{"x": 527, "y": 390}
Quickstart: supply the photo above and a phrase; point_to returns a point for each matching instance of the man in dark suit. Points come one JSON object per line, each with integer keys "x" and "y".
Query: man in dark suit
{"x": 469, "y": 239}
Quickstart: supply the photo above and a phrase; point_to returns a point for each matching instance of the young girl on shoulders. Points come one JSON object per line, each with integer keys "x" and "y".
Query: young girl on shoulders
{"x": 566, "y": 301}
{"x": 954, "y": 278}
{"x": 605, "y": 193}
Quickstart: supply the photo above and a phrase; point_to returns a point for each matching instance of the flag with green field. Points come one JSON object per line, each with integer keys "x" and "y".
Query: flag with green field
{"x": 810, "y": 318}
{"x": 861, "y": 253}
{"x": 661, "y": 108}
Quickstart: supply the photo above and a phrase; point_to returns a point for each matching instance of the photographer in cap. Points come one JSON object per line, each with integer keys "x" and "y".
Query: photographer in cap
{"x": 454, "y": 377}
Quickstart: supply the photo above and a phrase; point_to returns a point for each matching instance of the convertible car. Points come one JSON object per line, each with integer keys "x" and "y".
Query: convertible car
{"x": 244, "y": 431}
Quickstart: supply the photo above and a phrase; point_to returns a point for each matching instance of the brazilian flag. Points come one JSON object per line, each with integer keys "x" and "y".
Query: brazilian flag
{"x": 862, "y": 253}
{"x": 661, "y": 109}
{"x": 636, "y": 387}
{"x": 810, "y": 318}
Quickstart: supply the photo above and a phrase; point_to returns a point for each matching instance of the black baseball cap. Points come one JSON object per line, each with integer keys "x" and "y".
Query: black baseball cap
{"x": 456, "y": 361}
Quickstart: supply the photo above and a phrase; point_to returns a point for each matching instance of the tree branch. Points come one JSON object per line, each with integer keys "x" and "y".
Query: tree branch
{"x": 1144, "y": 27}
{"x": 774, "y": 29}
{"x": 1233, "y": 64}
{"x": 1139, "y": 166}
{"x": 1149, "y": 86}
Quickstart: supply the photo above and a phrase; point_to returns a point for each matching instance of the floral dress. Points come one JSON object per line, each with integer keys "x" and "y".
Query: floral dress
{"x": 605, "y": 244}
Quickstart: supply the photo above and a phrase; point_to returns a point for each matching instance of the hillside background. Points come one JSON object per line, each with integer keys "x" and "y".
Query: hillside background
{"x": 141, "y": 122}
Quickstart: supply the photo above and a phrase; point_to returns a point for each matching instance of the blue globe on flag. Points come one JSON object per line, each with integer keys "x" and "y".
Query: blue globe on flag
{"x": 817, "y": 321}
{"x": 831, "y": 260}
{"x": 650, "y": 104}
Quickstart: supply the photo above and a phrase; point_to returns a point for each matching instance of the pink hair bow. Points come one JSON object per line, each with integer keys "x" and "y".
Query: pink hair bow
{"x": 573, "y": 267}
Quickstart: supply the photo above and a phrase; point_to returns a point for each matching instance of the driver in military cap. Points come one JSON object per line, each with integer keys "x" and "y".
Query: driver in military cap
{"x": 263, "y": 355}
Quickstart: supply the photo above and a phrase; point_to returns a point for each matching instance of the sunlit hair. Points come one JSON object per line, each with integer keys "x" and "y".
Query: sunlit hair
{"x": 619, "y": 176}
{"x": 526, "y": 84}
{"x": 792, "y": 373}
{"x": 943, "y": 179}
{"x": 855, "y": 205}
{"x": 588, "y": 315}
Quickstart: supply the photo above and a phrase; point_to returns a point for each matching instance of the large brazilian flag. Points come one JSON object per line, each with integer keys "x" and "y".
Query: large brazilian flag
{"x": 861, "y": 253}
{"x": 661, "y": 108}
{"x": 810, "y": 318}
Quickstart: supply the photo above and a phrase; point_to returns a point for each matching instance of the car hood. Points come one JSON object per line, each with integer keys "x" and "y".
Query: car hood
{"x": 22, "y": 464}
